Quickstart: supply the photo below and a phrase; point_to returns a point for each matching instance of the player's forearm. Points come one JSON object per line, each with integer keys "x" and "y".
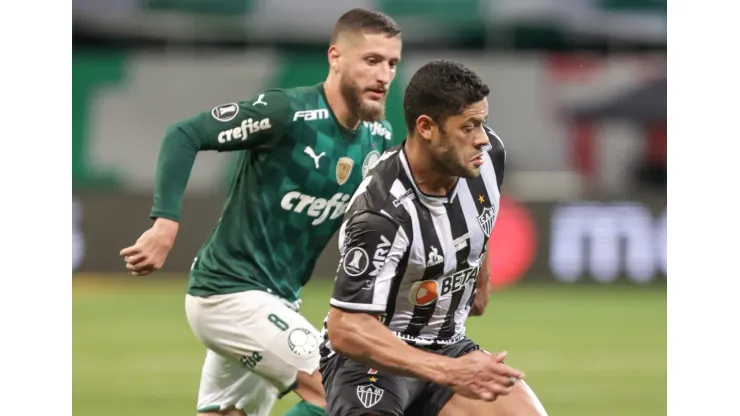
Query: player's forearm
{"x": 176, "y": 158}
{"x": 364, "y": 339}
{"x": 482, "y": 289}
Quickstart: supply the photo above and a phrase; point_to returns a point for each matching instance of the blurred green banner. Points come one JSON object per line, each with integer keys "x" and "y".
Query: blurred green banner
{"x": 123, "y": 102}
{"x": 424, "y": 21}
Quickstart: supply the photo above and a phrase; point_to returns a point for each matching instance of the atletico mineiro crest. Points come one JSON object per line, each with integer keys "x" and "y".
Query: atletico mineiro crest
{"x": 369, "y": 395}
{"x": 485, "y": 219}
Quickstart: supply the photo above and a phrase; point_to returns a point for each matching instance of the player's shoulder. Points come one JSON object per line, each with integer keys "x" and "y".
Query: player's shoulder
{"x": 372, "y": 220}
{"x": 382, "y": 176}
{"x": 267, "y": 104}
{"x": 275, "y": 99}
{"x": 497, "y": 154}
{"x": 376, "y": 192}
{"x": 305, "y": 94}
{"x": 496, "y": 145}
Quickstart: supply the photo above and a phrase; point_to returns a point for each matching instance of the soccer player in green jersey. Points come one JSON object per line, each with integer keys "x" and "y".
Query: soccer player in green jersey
{"x": 304, "y": 152}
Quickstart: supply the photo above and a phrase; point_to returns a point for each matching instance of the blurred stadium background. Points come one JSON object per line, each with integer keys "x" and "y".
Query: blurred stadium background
{"x": 579, "y": 251}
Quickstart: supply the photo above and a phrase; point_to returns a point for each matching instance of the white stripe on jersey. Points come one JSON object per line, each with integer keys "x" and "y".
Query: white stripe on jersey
{"x": 467, "y": 203}
{"x": 362, "y": 307}
{"x": 384, "y": 279}
{"x": 444, "y": 233}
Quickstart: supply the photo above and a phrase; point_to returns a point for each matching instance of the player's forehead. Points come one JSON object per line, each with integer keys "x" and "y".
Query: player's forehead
{"x": 364, "y": 43}
{"x": 476, "y": 112}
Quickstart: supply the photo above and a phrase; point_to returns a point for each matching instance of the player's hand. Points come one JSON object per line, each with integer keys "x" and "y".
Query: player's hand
{"x": 151, "y": 249}
{"x": 482, "y": 376}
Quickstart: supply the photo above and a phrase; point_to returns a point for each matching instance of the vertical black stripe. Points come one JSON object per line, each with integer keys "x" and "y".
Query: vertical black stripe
{"x": 459, "y": 228}
{"x": 479, "y": 193}
{"x": 429, "y": 239}
{"x": 400, "y": 273}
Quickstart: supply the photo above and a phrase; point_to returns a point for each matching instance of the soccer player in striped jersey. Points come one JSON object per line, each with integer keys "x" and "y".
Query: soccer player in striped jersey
{"x": 413, "y": 246}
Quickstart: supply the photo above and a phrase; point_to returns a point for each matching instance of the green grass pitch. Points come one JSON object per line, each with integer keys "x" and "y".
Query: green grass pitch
{"x": 593, "y": 350}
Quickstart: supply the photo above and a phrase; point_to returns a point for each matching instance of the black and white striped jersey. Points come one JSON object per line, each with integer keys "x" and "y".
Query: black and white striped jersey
{"x": 412, "y": 258}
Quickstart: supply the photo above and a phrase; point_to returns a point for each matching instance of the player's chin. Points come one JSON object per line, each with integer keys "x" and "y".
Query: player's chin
{"x": 372, "y": 111}
{"x": 471, "y": 172}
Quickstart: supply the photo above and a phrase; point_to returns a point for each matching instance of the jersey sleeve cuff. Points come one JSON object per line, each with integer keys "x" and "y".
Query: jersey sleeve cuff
{"x": 357, "y": 307}
{"x": 155, "y": 213}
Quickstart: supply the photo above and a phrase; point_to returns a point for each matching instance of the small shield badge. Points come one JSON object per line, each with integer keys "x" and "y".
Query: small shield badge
{"x": 369, "y": 395}
{"x": 485, "y": 219}
{"x": 344, "y": 168}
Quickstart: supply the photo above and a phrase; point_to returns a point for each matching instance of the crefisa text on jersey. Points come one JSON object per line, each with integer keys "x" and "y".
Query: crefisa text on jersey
{"x": 248, "y": 126}
{"x": 318, "y": 208}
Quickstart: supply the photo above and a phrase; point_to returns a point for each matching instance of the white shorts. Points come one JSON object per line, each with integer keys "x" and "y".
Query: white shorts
{"x": 256, "y": 346}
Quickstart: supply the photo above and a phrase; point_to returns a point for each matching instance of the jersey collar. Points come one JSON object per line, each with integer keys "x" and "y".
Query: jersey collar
{"x": 433, "y": 200}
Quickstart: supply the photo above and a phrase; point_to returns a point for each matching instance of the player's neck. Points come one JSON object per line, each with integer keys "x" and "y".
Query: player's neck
{"x": 426, "y": 173}
{"x": 338, "y": 104}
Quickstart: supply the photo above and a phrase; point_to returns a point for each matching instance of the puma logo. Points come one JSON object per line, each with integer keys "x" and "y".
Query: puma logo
{"x": 259, "y": 100}
{"x": 313, "y": 155}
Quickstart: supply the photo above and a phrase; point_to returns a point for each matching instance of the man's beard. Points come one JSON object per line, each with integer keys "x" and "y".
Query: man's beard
{"x": 364, "y": 110}
{"x": 449, "y": 162}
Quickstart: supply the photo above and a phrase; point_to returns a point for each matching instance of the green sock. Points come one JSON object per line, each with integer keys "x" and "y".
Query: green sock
{"x": 304, "y": 408}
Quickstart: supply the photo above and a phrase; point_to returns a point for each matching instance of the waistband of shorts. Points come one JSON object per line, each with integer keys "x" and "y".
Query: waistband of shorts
{"x": 295, "y": 306}
{"x": 430, "y": 343}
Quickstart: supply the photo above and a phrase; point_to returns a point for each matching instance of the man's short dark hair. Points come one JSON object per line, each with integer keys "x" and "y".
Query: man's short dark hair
{"x": 441, "y": 89}
{"x": 365, "y": 21}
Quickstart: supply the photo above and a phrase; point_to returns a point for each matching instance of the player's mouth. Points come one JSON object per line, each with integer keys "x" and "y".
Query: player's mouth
{"x": 376, "y": 94}
{"x": 477, "y": 160}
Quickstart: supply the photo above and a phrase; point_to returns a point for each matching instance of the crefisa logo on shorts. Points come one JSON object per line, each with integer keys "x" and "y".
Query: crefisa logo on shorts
{"x": 369, "y": 395}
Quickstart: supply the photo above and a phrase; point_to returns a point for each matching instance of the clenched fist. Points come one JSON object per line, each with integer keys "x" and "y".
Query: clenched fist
{"x": 150, "y": 251}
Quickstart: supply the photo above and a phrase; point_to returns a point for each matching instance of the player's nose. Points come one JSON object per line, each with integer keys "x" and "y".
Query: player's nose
{"x": 384, "y": 74}
{"x": 480, "y": 140}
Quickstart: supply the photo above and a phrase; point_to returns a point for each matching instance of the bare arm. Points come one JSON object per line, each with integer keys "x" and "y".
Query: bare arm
{"x": 482, "y": 289}
{"x": 363, "y": 338}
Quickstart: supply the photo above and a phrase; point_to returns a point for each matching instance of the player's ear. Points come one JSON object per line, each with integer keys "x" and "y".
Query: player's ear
{"x": 334, "y": 56}
{"x": 425, "y": 125}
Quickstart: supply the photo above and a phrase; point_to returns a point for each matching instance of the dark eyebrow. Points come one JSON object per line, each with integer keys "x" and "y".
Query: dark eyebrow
{"x": 476, "y": 120}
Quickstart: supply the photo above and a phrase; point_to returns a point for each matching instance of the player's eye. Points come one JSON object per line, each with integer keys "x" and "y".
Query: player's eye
{"x": 468, "y": 129}
{"x": 371, "y": 61}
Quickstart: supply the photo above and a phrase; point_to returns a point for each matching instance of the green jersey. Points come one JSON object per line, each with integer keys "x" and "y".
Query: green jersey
{"x": 298, "y": 169}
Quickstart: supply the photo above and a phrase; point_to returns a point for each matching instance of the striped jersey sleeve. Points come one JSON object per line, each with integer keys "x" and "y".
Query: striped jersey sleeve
{"x": 372, "y": 251}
